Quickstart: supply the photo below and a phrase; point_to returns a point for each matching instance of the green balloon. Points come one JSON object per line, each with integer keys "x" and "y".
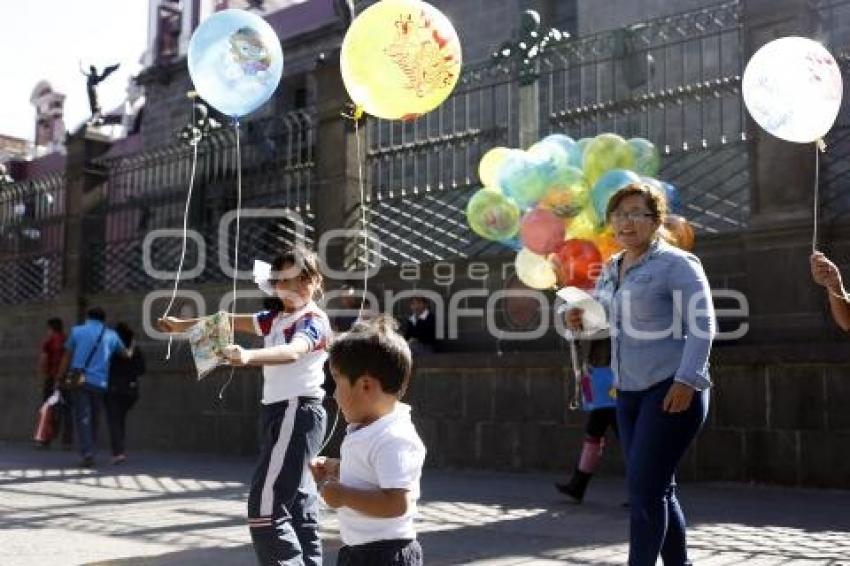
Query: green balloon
{"x": 646, "y": 156}
{"x": 606, "y": 152}
{"x": 492, "y": 215}
{"x": 568, "y": 194}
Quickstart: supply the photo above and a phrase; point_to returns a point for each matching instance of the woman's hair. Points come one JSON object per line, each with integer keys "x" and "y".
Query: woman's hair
{"x": 295, "y": 262}
{"x": 655, "y": 201}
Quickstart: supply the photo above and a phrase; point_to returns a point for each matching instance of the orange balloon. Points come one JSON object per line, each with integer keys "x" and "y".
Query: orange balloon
{"x": 607, "y": 244}
{"x": 681, "y": 230}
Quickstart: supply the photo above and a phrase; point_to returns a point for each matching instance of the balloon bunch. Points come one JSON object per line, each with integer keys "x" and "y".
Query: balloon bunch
{"x": 549, "y": 202}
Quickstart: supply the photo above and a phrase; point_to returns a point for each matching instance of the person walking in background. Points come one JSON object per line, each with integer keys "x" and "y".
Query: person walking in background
{"x": 598, "y": 400}
{"x": 89, "y": 349}
{"x": 661, "y": 318}
{"x": 826, "y": 274}
{"x": 49, "y": 361}
{"x": 122, "y": 391}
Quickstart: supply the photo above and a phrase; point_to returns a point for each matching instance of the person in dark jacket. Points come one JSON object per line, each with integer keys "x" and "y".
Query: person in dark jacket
{"x": 123, "y": 391}
{"x": 420, "y": 329}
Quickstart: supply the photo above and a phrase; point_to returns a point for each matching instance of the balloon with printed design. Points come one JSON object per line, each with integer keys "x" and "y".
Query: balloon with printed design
{"x": 523, "y": 179}
{"x": 607, "y": 185}
{"x": 235, "y": 61}
{"x": 400, "y": 59}
{"x": 566, "y": 143}
{"x": 492, "y": 215}
{"x": 647, "y": 160}
{"x": 567, "y": 194}
{"x": 604, "y": 153}
{"x": 541, "y": 230}
{"x": 534, "y": 270}
{"x": 550, "y": 158}
{"x": 578, "y": 263}
{"x": 792, "y": 88}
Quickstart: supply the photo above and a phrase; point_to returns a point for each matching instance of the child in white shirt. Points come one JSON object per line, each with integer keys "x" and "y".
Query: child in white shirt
{"x": 283, "y": 504}
{"x": 375, "y": 483}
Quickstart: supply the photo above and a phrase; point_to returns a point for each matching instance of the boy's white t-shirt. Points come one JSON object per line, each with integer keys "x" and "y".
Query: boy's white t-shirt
{"x": 302, "y": 378}
{"x": 387, "y": 454}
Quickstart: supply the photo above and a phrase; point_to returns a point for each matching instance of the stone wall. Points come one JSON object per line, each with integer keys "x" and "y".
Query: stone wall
{"x": 778, "y": 410}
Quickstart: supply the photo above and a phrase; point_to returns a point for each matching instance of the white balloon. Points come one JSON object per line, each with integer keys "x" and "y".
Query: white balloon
{"x": 534, "y": 270}
{"x": 792, "y": 88}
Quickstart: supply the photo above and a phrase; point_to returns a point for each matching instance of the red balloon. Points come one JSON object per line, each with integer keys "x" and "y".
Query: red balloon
{"x": 578, "y": 263}
{"x": 541, "y": 231}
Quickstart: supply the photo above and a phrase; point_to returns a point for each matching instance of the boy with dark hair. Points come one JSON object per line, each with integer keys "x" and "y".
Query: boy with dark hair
{"x": 375, "y": 483}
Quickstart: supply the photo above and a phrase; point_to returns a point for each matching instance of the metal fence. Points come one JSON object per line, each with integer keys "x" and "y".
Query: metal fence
{"x": 146, "y": 196}
{"x": 32, "y": 235}
{"x": 834, "y": 167}
{"x": 674, "y": 80}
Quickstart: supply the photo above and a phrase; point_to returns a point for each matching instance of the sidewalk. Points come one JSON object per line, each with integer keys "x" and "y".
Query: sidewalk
{"x": 188, "y": 510}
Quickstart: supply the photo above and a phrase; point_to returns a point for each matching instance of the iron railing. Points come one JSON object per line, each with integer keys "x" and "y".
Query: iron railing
{"x": 148, "y": 191}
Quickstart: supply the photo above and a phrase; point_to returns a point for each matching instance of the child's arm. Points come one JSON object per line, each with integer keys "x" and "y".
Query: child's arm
{"x": 380, "y": 503}
{"x": 274, "y": 355}
{"x": 172, "y": 325}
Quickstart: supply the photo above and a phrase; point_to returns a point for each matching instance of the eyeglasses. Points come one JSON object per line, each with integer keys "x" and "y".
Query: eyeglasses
{"x": 633, "y": 216}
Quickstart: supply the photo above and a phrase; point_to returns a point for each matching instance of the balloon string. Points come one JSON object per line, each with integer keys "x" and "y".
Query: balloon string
{"x": 363, "y": 220}
{"x": 235, "y": 250}
{"x": 355, "y": 115}
{"x": 819, "y": 147}
{"x": 576, "y": 374}
{"x": 185, "y": 236}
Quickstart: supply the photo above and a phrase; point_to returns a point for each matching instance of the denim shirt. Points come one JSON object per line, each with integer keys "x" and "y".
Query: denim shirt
{"x": 661, "y": 324}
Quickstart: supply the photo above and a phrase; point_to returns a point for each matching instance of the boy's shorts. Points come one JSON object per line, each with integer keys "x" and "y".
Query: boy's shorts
{"x": 401, "y": 552}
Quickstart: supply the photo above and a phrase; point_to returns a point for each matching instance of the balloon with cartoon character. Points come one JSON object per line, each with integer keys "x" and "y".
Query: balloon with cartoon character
{"x": 235, "y": 61}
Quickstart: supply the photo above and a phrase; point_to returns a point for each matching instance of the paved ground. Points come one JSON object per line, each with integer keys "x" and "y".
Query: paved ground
{"x": 188, "y": 510}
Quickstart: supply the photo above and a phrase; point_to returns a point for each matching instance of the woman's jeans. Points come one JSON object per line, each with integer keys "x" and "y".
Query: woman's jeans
{"x": 653, "y": 442}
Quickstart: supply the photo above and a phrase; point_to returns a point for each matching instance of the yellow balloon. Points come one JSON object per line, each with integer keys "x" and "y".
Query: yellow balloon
{"x": 488, "y": 167}
{"x": 535, "y": 270}
{"x": 400, "y": 59}
{"x": 585, "y": 226}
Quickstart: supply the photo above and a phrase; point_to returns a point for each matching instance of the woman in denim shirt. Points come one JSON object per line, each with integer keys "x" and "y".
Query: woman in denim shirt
{"x": 662, "y": 323}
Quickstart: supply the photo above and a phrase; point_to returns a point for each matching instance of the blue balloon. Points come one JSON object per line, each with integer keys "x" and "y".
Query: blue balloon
{"x": 674, "y": 199}
{"x": 513, "y": 243}
{"x": 235, "y": 61}
{"x": 524, "y": 178}
{"x": 577, "y": 154}
{"x": 566, "y": 142}
{"x": 607, "y": 185}
{"x": 671, "y": 194}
